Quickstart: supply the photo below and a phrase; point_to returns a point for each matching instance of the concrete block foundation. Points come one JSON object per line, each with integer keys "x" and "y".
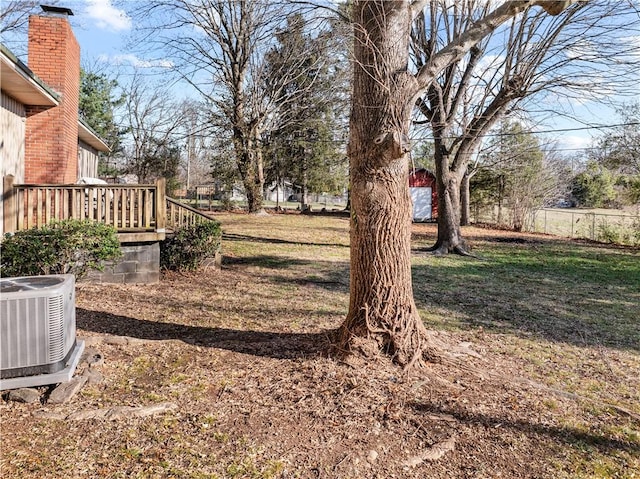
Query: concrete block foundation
{"x": 140, "y": 263}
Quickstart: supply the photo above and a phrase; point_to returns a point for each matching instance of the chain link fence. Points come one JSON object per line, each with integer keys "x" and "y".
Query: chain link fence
{"x": 618, "y": 228}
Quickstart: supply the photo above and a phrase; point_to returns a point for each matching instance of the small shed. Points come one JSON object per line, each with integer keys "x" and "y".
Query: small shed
{"x": 422, "y": 184}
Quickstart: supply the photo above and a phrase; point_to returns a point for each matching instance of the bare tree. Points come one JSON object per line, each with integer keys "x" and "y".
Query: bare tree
{"x": 519, "y": 175}
{"x": 619, "y": 148}
{"x": 153, "y": 122}
{"x": 382, "y": 312}
{"x": 219, "y": 47}
{"x": 14, "y": 14}
{"x": 197, "y": 138}
{"x": 564, "y": 56}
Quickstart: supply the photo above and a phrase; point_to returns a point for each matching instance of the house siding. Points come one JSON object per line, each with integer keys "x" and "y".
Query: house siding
{"x": 12, "y": 126}
{"x": 87, "y": 161}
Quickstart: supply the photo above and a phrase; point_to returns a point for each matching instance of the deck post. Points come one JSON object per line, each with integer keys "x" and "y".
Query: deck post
{"x": 161, "y": 205}
{"x": 9, "y": 211}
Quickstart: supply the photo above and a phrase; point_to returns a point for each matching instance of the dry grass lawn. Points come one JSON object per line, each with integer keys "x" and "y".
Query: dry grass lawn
{"x": 554, "y": 393}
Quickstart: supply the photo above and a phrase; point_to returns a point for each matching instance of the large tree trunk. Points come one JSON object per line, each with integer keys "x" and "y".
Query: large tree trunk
{"x": 465, "y": 207}
{"x": 253, "y": 190}
{"x": 382, "y": 313}
{"x": 247, "y": 167}
{"x": 448, "y": 180}
{"x": 249, "y": 160}
{"x": 448, "y": 187}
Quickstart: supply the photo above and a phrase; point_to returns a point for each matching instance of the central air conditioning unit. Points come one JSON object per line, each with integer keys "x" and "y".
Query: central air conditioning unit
{"x": 38, "y": 331}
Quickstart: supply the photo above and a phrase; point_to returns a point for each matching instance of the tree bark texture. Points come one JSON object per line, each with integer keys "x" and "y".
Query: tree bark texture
{"x": 448, "y": 183}
{"x": 248, "y": 150}
{"x": 465, "y": 208}
{"x": 381, "y": 309}
{"x": 382, "y": 312}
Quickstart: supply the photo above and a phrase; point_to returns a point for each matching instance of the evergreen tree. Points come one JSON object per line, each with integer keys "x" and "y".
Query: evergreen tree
{"x": 305, "y": 147}
{"x": 594, "y": 187}
{"x": 161, "y": 160}
{"x": 97, "y": 105}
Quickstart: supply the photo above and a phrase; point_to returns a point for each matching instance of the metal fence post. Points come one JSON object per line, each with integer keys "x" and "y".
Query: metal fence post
{"x": 572, "y": 222}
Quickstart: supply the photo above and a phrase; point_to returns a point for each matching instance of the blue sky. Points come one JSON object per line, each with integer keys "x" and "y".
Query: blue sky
{"x": 102, "y": 28}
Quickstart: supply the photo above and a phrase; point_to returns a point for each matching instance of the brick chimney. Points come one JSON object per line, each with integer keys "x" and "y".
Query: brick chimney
{"x": 51, "y": 150}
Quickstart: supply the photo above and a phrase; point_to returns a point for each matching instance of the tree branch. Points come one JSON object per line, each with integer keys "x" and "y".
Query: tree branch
{"x": 473, "y": 35}
{"x": 417, "y": 6}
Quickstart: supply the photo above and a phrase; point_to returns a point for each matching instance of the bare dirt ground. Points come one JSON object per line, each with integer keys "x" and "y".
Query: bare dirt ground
{"x": 238, "y": 353}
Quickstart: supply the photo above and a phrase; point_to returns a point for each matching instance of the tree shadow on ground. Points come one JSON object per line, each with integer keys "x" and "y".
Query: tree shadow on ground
{"x": 259, "y": 239}
{"x": 264, "y": 261}
{"x": 566, "y": 434}
{"x": 337, "y": 281}
{"x": 258, "y": 343}
{"x": 331, "y": 275}
{"x": 422, "y": 243}
{"x": 422, "y": 240}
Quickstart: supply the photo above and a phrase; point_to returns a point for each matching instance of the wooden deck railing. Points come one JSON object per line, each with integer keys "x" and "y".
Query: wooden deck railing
{"x": 179, "y": 214}
{"x": 137, "y": 212}
{"x": 128, "y": 208}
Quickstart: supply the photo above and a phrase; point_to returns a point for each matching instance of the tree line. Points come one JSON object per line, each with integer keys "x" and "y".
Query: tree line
{"x": 267, "y": 113}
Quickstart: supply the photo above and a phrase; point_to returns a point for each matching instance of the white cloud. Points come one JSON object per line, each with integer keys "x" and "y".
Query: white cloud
{"x": 574, "y": 142}
{"x": 136, "y": 62}
{"x": 582, "y": 49}
{"x": 107, "y": 16}
{"x": 634, "y": 43}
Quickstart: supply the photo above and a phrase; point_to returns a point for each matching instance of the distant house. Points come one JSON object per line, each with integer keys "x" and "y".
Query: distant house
{"x": 43, "y": 139}
{"x": 422, "y": 184}
{"x": 278, "y": 192}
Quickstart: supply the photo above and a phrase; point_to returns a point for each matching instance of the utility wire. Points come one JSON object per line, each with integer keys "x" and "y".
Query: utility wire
{"x": 198, "y": 133}
{"x": 541, "y": 132}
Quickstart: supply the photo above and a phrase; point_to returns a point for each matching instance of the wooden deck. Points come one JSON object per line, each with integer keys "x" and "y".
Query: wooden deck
{"x": 139, "y": 213}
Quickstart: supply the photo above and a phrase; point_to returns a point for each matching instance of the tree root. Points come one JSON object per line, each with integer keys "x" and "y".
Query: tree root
{"x": 429, "y": 348}
{"x": 408, "y": 347}
{"x": 432, "y": 453}
{"x": 260, "y": 212}
{"x": 442, "y": 250}
{"x": 462, "y": 252}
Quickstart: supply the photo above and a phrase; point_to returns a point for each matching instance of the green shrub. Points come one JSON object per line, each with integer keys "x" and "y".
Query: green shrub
{"x": 190, "y": 246}
{"x": 68, "y": 246}
{"x": 227, "y": 204}
{"x": 607, "y": 233}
